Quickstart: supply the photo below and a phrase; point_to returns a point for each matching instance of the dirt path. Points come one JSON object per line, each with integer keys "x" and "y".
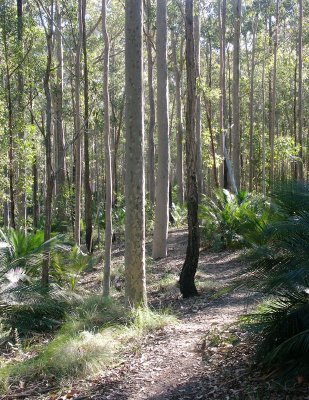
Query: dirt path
{"x": 170, "y": 364}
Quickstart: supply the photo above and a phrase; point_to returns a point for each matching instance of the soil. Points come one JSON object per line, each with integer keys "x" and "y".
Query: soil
{"x": 206, "y": 355}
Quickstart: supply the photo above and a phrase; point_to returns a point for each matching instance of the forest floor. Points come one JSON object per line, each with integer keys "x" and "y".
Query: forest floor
{"x": 207, "y": 354}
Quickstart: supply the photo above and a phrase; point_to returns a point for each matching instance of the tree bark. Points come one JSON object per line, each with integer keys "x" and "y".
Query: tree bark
{"x": 236, "y": 75}
{"x": 198, "y": 126}
{"x": 108, "y": 165}
{"x": 159, "y": 248}
{"x": 78, "y": 128}
{"x": 251, "y": 108}
{"x": 187, "y": 284}
{"x": 58, "y": 112}
{"x": 152, "y": 115}
{"x": 179, "y": 137}
{"x": 135, "y": 291}
{"x": 222, "y": 170}
{"x": 88, "y": 193}
{"x": 300, "y": 164}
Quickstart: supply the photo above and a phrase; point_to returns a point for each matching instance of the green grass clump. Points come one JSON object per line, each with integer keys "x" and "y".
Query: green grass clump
{"x": 92, "y": 339}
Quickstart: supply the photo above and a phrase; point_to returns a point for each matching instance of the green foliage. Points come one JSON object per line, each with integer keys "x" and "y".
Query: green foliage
{"x": 281, "y": 271}
{"x": 24, "y": 304}
{"x": 93, "y": 338}
{"x": 230, "y": 221}
{"x": 179, "y": 213}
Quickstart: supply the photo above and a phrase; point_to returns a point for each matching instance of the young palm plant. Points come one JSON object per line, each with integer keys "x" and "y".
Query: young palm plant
{"x": 281, "y": 270}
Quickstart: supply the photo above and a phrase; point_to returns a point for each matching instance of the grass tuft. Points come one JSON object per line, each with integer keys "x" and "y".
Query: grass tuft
{"x": 92, "y": 339}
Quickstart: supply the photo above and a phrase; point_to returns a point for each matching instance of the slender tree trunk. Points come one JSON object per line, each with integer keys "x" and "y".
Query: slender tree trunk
{"x": 222, "y": 170}
{"x": 251, "y": 108}
{"x": 88, "y": 193}
{"x": 159, "y": 248}
{"x": 48, "y": 144}
{"x": 300, "y": 174}
{"x": 20, "y": 182}
{"x": 187, "y": 284}
{"x": 135, "y": 292}
{"x": 179, "y": 137}
{"x": 152, "y": 116}
{"x": 236, "y": 106}
{"x": 78, "y": 129}
{"x": 58, "y": 106}
{"x": 263, "y": 124}
{"x": 10, "y": 126}
{"x": 198, "y": 127}
{"x": 108, "y": 165}
{"x": 273, "y": 99}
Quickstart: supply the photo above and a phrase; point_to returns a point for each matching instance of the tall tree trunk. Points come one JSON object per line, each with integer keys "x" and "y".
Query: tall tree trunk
{"x": 135, "y": 292}
{"x": 236, "y": 106}
{"x": 58, "y": 106}
{"x": 9, "y": 105}
{"x": 198, "y": 127}
{"x": 187, "y": 284}
{"x": 222, "y": 170}
{"x": 48, "y": 142}
{"x": 88, "y": 193}
{"x": 273, "y": 99}
{"x": 108, "y": 165}
{"x": 300, "y": 169}
{"x": 179, "y": 137}
{"x": 251, "y": 107}
{"x": 160, "y": 234}
{"x": 78, "y": 128}
{"x": 152, "y": 115}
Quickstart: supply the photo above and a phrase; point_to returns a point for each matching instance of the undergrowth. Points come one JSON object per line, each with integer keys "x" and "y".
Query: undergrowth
{"x": 93, "y": 338}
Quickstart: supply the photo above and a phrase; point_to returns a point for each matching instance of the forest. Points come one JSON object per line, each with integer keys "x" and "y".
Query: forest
{"x": 154, "y": 199}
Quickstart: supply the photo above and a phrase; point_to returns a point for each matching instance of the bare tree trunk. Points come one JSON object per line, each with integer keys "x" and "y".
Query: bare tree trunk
{"x": 9, "y": 105}
{"x": 273, "y": 99}
{"x": 300, "y": 174}
{"x": 222, "y": 170}
{"x": 236, "y": 73}
{"x": 20, "y": 182}
{"x": 88, "y": 193}
{"x": 198, "y": 127}
{"x": 135, "y": 292}
{"x": 160, "y": 234}
{"x": 48, "y": 142}
{"x": 58, "y": 106}
{"x": 179, "y": 138}
{"x": 263, "y": 124}
{"x": 108, "y": 165}
{"x": 78, "y": 129}
{"x": 152, "y": 115}
{"x": 187, "y": 284}
{"x": 251, "y": 108}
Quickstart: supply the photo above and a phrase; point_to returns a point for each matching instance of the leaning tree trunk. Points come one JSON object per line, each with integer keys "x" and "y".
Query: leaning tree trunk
{"x": 236, "y": 74}
{"x": 160, "y": 234}
{"x": 108, "y": 164}
{"x": 135, "y": 277}
{"x": 187, "y": 284}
